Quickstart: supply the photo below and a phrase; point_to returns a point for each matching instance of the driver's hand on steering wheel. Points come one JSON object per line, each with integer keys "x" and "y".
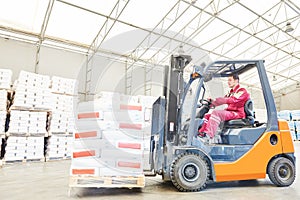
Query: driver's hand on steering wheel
{"x": 212, "y": 105}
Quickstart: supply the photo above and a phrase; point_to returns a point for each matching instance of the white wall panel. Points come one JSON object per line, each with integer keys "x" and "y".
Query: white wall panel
{"x": 55, "y": 62}
{"x": 107, "y": 75}
{"x": 17, "y": 56}
{"x": 290, "y": 101}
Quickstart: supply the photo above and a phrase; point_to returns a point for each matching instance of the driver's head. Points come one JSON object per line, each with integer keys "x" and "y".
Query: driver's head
{"x": 233, "y": 80}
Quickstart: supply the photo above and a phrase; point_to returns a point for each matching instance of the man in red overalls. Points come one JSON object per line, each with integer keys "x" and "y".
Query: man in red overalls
{"x": 235, "y": 100}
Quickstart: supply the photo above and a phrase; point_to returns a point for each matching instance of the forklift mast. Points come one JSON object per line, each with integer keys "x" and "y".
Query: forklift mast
{"x": 174, "y": 93}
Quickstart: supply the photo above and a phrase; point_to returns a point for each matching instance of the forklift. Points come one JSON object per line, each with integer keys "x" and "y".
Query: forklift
{"x": 245, "y": 149}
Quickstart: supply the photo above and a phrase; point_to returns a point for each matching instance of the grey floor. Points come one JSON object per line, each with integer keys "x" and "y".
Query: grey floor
{"x": 49, "y": 180}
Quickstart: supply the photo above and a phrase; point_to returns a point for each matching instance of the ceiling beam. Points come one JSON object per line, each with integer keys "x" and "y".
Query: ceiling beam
{"x": 42, "y": 34}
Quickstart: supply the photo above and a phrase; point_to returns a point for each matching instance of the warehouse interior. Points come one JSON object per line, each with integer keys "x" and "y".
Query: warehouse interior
{"x": 86, "y": 52}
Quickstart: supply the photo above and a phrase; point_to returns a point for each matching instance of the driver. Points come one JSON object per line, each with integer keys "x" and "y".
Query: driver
{"x": 235, "y": 99}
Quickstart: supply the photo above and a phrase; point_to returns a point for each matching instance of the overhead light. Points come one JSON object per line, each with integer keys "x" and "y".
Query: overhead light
{"x": 288, "y": 27}
{"x": 193, "y": 1}
{"x": 274, "y": 78}
{"x": 180, "y": 50}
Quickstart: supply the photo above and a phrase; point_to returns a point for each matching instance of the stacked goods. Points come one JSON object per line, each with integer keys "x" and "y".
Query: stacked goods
{"x": 112, "y": 154}
{"x": 70, "y": 141}
{"x": 37, "y": 123}
{"x": 15, "y": 148}
{"x": 62, "y": 117}
{"x": 284, "y": 114}
{"x": 23, "y": 148}
{"x": 109, "y": 138}
{"x": 5, "y": 83}
{"x": 3, "y": 110}
{"x": 18, "y": 121}
{"x": 35, "y": 148}
{"x": 64, "y": 85}
{"x": 293, "y": 118}
{"x": 113, "y": 135}
{"x": 292, "y": 129}
{"x": 3, "y": 99}
{"x": 31, "y": 91}
{"x": 59, "y": 146}
{"x": 297, "y": 129}
{"x": 5, "y": 78}
{"x": 147, "y": 103}
{"x": 27, "y": 116}
{"x": 64, "y": 99}
{"x": 28, "y": 122}
{"x": 296, "y": 117}
{"x": 295, "y": 114}
{"x": 2, "y": 121}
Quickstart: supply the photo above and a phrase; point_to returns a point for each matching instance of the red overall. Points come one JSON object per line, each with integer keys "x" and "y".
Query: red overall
{"x": 235, "y": 100}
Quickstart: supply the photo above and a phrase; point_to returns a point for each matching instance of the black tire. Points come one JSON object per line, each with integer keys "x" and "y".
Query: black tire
{"x": 189, "y": 172}
{"x": 281, "y": 172}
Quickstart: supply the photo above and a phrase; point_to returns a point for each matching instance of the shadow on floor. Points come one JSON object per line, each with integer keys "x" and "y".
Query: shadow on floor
{"x": 158, "y": 186}
{"x": 244, "y": 183}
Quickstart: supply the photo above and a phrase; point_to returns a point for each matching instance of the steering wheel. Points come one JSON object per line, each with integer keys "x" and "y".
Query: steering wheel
{"x": 207, "y": 102}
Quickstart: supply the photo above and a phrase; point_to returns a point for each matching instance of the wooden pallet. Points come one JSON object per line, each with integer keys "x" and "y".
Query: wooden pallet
{"x": 7, "y": 89}
{"x": 108, "y": 181}
{"x": 22, "y": 161}
{"x": 29, "y": 108}
{"x": 60, "y": 133}
{"x": 48, "y": 159}
{"x": 7, "y": 134}
{"x": 63, "y": 93}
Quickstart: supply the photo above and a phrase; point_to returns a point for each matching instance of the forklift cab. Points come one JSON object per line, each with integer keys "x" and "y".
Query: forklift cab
{"x": 245, "y": 149}
{"x": 237, "y": 131}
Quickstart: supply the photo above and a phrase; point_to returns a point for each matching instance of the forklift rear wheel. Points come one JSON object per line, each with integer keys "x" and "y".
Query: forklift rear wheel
{"x": 281, "y": 172}
{"x": 189, "y": 172}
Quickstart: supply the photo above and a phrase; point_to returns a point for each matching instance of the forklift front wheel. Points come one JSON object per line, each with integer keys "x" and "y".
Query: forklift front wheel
{"x": 189, "y": 172}
{"x": 281, "y": 171}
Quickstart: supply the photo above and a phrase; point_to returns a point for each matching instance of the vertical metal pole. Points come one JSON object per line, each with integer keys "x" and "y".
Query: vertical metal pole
{"x": 42, "y": 34}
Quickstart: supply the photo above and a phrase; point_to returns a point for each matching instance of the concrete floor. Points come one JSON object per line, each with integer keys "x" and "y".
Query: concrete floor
{"x": 50, "y": 180}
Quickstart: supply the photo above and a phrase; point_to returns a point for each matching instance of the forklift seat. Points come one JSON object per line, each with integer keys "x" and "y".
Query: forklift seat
{"x": 247, "y": 121}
